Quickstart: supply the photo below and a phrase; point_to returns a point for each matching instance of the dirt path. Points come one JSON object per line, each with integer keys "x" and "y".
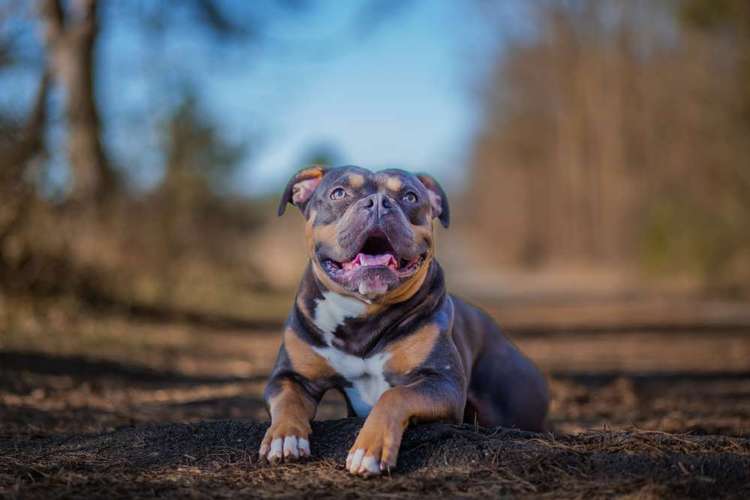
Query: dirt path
{"x": 109, "y": 406}
{"x": 218, "y": 459}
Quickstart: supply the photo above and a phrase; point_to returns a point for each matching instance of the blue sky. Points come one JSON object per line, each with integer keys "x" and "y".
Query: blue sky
{"x": 401, "y": 97}
{"x": 402, "y": 94}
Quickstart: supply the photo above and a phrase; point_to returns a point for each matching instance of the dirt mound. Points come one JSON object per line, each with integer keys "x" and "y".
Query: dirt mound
{"x": 218, "y": 459}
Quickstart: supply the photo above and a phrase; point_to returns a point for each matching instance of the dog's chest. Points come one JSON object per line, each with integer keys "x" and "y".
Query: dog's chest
{"x": 365, "y": 375}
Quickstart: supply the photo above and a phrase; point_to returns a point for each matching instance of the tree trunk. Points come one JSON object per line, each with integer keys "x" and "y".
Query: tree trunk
{"x": 70, "y": 39}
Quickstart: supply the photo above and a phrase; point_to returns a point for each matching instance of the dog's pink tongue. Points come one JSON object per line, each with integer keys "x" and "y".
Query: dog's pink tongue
{"x": 362, "y": 259}
{"x": 375, "y": 260}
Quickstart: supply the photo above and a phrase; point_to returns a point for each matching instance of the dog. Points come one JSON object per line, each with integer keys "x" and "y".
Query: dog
{"x": 372, "y": 319}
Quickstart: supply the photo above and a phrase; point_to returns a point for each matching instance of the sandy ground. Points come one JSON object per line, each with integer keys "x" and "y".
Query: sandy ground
{"x": 117, "y": 405}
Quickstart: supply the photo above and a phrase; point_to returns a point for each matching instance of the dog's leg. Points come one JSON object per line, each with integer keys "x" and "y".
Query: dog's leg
{"x": 291, "y": 408}
{"x": 434, "y": 397}
{"x": 298, "y": 382}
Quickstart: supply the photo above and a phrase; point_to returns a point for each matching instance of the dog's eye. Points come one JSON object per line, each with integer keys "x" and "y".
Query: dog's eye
{"x": 410, "y": 197}
{"x": 338, "y": 194}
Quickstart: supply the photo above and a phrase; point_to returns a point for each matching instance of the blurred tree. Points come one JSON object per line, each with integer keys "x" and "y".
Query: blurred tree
{"x": 19, "y": 145}
{"x": 197, "y": 154}
{"x": 200, "y": 166}
{"x": 722, "y": 240}
{"x": 712, "y": 14}
{"x": 728, "y": 18}
{"x": 71, "y": 31}
{"x": 321, "y": 154}
{"x": 191, "y": 213}
{"x": 621, "y": 138}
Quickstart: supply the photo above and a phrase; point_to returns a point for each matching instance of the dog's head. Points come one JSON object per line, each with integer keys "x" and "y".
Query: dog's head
{"x": 369, "y": 234}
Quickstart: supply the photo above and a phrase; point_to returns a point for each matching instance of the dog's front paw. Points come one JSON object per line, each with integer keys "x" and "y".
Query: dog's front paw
{"x": 285, "y": 441}
{"x": 376, "y": 447}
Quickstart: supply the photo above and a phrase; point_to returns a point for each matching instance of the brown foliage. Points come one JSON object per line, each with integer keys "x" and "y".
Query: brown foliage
{"x": 614, "y": 136}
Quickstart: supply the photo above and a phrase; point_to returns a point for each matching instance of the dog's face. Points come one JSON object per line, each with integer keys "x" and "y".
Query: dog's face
{"x": 369, "y": 234}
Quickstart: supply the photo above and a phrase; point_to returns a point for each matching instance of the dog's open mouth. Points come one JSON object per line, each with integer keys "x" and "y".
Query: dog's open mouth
{"x": 376, "y": 254}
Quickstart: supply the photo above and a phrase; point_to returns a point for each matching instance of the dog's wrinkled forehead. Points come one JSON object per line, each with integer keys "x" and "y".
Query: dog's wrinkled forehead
{"x": 358, "y": 183}
{"x": 326, "y": 193}
{"x": 363, "y": 181}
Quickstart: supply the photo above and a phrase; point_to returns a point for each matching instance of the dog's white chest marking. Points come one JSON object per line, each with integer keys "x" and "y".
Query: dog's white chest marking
{"x": 333, "y": 309}
{"x": 365, "y": 374}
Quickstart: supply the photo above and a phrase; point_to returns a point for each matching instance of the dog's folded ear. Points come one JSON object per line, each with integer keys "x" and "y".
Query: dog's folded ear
{"x": 301, "y": 187}
{"x": 438, "y": 199}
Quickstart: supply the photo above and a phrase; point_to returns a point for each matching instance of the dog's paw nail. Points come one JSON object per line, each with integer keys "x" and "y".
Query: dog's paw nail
{"x": 370, "y": 466}
{"x": 304, "y": 447}
{"x": 291, "y": 451}
{"x": 356, "y": 460}
{"x": 274, "y": 455}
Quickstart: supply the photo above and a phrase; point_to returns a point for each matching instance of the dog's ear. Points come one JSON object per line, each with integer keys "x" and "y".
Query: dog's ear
{"x": 438, "y": 199}
{"x": 301, "y": 187}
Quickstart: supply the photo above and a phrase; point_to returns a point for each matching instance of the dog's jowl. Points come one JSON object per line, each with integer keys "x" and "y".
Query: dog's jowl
{"x": 372, "y": 319}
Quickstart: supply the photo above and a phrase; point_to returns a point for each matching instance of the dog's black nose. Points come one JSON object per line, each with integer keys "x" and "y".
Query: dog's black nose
{"x": 379, "y": 202}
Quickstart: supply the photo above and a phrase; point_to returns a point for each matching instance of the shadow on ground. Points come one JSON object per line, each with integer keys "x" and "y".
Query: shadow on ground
{"x": 87, "y": 368}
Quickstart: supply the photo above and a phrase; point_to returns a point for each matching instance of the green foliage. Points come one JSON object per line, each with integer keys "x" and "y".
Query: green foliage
{"x": 677, "y": 236}
{"x": 706, "y": 14}
{"x": 716, "y": 14}
{"x": 321, "y": 154}
{"x": 197, "y": 153}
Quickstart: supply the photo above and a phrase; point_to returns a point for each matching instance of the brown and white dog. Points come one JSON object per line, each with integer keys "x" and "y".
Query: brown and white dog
{"x": 372, "y": 319}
